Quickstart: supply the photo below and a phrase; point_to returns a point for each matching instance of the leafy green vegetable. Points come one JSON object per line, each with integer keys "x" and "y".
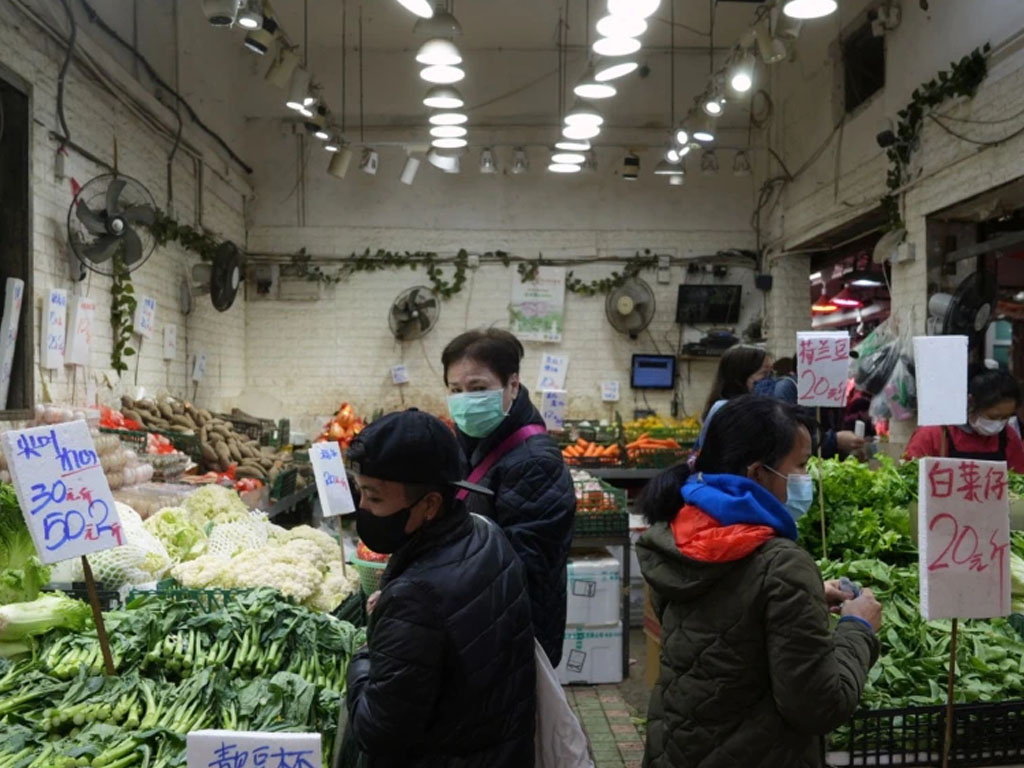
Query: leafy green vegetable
{"x": 182, "y": 537}
{"x": 21, "y": 620}
{"x": 22, "y": 574}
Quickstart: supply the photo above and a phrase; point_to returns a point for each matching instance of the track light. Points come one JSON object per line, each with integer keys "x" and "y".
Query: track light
{"x": 569, "y": 158}
{"x": 771, "y": 48}
{"x": 521, "y": 163}
{"x": 449, "y": 143}
{"x": 581, "y": 132}
{"x": 705, "y": 131}
{"x": 809, "y": 9}
{"x": 785, "y": 27}
{"x": 682, "y": 136}
{"x": 443, "y": 97}
{"x": 220, "y": 13}
{"x": 616, "y": 46}
{"x": 298, "y": 93}
{"x": 487, "y": 164}
{"x": 282, "y": 67}
{"x": 640, "y": 9}
{"x": 614, "y": 68}
{"x": 589, "y": 88}
{"x": 250, "y": 14}
{"x": 666, "y": 168}
{"x": 448, "y": 131}
{"x": 741, "y": 77}
{"x": 621, "y": 26}
{"x": 333, "y": 143}
{"x": 370, "y": 161}
{"x": 564, "y": 168}
{"x": 448, "y": 118}
{"x": 409, "y": 170}
{"x": 741, "y": 164}
{"x": 570, "y": 145}
{"x": 439, "y": 52}
{"x": 630, "y": 167}
{"x": 445, "y": 161}
{"x": 439, "y": 24}
{"x": 442, "y": 74}
{"x": 260, "y": 40}
{"x": 583, "y": 114}
{"x": 713, "y": 102}
{"x": 672, "y": 155}
{"x": 317, "y": 123}
{"x": 340, "y": 162}
{"x": 709, "y": 162}
{"x": 421, "y": 8}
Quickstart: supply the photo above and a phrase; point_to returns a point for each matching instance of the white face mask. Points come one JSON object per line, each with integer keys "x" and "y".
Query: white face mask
{"x": 988, "y": 427}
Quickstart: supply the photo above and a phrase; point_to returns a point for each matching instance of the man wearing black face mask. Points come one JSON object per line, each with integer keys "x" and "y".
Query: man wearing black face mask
{"x": 447, "y": 677}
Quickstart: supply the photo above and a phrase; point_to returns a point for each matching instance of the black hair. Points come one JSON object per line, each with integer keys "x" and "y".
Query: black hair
{"x": 737, "y": 365}
{"x": 499, "y": 350}
{"x": 746, "y": 430}
{"x": 414, "y": 492}
{"x": 785, "y": 366}
{"x": 988, "y": 386}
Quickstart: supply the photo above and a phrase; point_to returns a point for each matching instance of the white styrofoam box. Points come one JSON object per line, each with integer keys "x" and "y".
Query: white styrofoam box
{"x": 591, "y": 655}
{"x": 593, "y": 590}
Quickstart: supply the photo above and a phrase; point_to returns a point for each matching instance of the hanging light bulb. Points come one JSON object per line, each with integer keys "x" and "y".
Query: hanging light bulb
{"x": 614, "y": 68}
{"x": 439, "y": 52}
{"x": 741, "y": 164}
{"x": 616, "y": 46}
{"x": 333, "y": 143}
{"x": 682, "y": 136}
{"x": 317, "y": 123}
{"x": 445, "y": 161}
{"x": 250, "y": 14}
{"x": 583, "y": 114}
{"x": 666, "y": 168}
{"x": 641, "y": 9}
{"x": 409, "y": 170}
{"x": 742, "y": 76}
{"x": 442, "y": 74}
{"x": 809, "y": 9}
{"x": 672, "y": 155}
{"x": 259, "y": 40}
{"x": 421, "y": 8}
{"x": 487, "y": 164}
{"x": 705, "y": 131}
{"x": 709, "y": 162}
{"x": 298, "y": 92}
{"x": 569, "y": 158}
{"x": 521, "y": 163}
{"x": 713, "y": 102}
{"x": 440, "y": 23}
{"x": 569, "y": 145}
{"x": 621, "y": 26}
{"x": 443, "y": 97}
{"x": 448, "y": 118}
{"x": 449, "y": 143}
{"x": 340, "y": 162}
{"x": 448, "y": 131}
{"x": 589, "y": 88}
{"x": 581, "y": 131}
{"x": 220, "y": 13}
{"x": 564, "y": 168}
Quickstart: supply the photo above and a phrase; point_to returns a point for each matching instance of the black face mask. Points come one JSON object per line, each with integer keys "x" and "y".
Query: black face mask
{"x": 384, "y": 535}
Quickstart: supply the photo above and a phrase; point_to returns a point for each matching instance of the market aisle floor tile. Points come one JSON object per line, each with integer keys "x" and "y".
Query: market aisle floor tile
{"x": 612, "y": 726}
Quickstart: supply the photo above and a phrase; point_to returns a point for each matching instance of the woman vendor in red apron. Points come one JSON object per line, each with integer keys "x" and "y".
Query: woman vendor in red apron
{"x": 993, "y": 397}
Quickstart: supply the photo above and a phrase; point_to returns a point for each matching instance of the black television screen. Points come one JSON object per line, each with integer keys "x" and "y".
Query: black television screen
{"x": 653, "y": 372}
{"x": 709, "y": 304}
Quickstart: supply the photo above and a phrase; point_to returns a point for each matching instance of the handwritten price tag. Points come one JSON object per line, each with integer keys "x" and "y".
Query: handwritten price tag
{"x": 199, "y": 367}
{"x": 79, "y": 340}
{"x": 145, "y": 317}
{"x": 13, "y": 295}
{"x": 552, "y": 407}
{"x": 610, "y": 391}
{"x": 823, "y": 365}
{"x": 553, "y": 369}
{"x": 964, "y": 538}
{"x": 399, "y": 374}
{"x": 331, "y": 481}
{"x": 252, "y": 749}
{"x": 62, "y": 490}
{"x": 170, "y": 342}
{"x": 55, "y": 321}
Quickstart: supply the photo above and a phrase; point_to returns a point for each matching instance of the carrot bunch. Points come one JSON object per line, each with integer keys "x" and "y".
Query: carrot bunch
{"x": 583, "y": 449}
{"x": 646, "y": 444}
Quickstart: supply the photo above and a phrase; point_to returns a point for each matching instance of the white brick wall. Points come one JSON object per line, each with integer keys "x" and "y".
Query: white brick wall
{"x": 95, "y": 120}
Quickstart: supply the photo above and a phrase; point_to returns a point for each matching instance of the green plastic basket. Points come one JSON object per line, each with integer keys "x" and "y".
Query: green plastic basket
{"x": 187, "y": 444}
{"x": 595, "y": 525}
{"x": 207, "y": 599}
{"x": 369, "y": 574}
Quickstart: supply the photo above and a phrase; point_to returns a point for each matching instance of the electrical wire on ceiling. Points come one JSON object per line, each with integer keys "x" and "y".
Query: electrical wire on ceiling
{"x": 362, "y": 121}
{"x": 72, "y": 36}
{"x": 976, "y": 142}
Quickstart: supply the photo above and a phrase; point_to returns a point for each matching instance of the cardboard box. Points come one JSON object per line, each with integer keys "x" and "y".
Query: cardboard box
{"x": 593, "y": 590}
{"x": 591, "y": 655}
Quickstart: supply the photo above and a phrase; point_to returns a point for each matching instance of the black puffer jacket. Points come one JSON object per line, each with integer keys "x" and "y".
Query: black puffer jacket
{"x": 448, "y": 678}
{"x": 535, "y": 504}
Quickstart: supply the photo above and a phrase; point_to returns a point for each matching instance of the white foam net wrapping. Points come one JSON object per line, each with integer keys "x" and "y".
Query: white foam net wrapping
{"x": 142, "y": 557}
{"x": 229, "y": 539}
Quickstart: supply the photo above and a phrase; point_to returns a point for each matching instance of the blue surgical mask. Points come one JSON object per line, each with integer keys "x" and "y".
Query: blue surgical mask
{"x": 477, "y": 414}
{"x": 799, "y": 493}
{"x": 765, "y": 387}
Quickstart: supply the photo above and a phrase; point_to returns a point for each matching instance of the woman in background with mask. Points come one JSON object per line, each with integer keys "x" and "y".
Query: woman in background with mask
{"x": 742, "y": 370}
{"x": 509, "y": 451}
{"x": 993, "y": 397}
{"x": 751, "y": 673}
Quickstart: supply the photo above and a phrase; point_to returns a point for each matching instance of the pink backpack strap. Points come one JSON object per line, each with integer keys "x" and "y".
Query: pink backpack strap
{"x": 518, "y": 437}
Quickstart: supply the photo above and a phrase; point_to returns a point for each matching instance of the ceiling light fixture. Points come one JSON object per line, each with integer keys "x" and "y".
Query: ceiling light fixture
{"x": 440, "y": 24}
{"x": 449, "y": 143}
{"x": 442, "y": 74}
{"x": 676, "y": 180}
{"x": 448, "y": 118}
{"x": 845, "y": 298}
{"x": 742, "y": 76}
{"x": 682, "y": 136}
{"x": 672, "y": 155}
{"x": 712, "y": 103}
{"x": 590, "y": 88}
{"x": 705, "y": 131}
{"x": 613, "y": 69}
{"x": 333, "y": 143}
{"x": 443, "y": 97}
{"x": 369, "y": 162}
{"x": 616, "y": 46}
{"x": 741, "y": 164}
{"x": 439, "y": 52}
{"x": 709, "y": 162}
{"x": 409, "y": 170}
{"x": 621, "y": 26}
{"x": 340, "y": 162}
{"x": 771, "y": 48}
{"x": 421, "y": 8}
{"x": 220, "y": 13}
{"x": 448, "y": 131}
{"x": 317, "y": 123}
{"x": 583, "y": 114}
{"x": 640, "y": 9}
{"x": 298, "y": 92}
{"x": 581, "y": 131}
{"x": 487, "y": 164}
{"x": 521, "y": 163}
{"x": 564, "y": 168}
{"x": 809, "y": 9}
{"x": 568, "y": 145}
{"x": 283, "y": 66}
{"x": 630, "y": 167}
{"x": 250, "y": 14}
{"x": 445, "y": 161}
{"x": 666, "y": 168}
{"x": 568, "y": 158}
{"x": 260, "y": 40}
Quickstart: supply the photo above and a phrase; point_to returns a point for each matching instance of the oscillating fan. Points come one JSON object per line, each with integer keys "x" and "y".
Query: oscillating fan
{"x": 219, "y": 279}
{"x": 967, "y": 311}
{"x": 414, "y": 313}
{"x": 107, "y": 224}
{"x": 630, "y": 307}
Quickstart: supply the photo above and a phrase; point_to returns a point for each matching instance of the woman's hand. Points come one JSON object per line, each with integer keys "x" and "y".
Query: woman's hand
{"x": 835, "y": 596}
{"x": 865, "y": 607}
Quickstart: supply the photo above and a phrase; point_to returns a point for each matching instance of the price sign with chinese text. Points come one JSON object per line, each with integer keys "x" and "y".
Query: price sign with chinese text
{"x": 940, "y": 367}
{"x": 62, "y": 490}
{"x": 552, "y": 407}
{"x": 331, "y": 481}
{"x": 553, "y": 369}
{"x": 399, "y": 374}
{"x": 170, "y": 342}
{"x": 79, "y": 339}
{"x": 823, "y": 366}
{"x": 252, "y": 749}
{"x": 610, "y": 391}
{"x": 145, "y": 317}
{"x": 55, "y": 320}
{"x": 963, "y": 538}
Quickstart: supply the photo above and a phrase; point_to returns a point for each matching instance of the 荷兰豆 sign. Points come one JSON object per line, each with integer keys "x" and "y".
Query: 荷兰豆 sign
{"x": 822, "y": 366}
{"x": 62, "y": 490}
{"x": 963, "y": 538}
{"x": 331, "y": 480}
{"x": 252, "y": 749}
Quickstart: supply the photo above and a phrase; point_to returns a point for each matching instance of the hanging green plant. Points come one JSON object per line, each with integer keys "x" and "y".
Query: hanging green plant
{"x": 200, "y": 242}
{"x": 122, "y": 315}
{"x": 605, "y": 285}
{"x": 962, "y": 79}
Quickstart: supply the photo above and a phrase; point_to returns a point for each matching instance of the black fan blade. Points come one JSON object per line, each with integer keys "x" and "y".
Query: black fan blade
{"x": 140, "y": 214}
{"x": 114, "y": 196}
{"x": 132, "y": 247}
{"x": 411, "y": 298}
{"x": 424, "y": 321}
{"x": 101, "y": 250}
{"x": 427, "y": 304}
{"x": 92, "y": 221}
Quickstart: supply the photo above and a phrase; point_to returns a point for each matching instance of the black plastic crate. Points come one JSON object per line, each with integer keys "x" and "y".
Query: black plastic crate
{"x": 110, "y": 599}
{"x": 983, "y": 734}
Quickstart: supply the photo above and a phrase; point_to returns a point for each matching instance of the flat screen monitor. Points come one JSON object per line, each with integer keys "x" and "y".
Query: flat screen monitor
{"x": 653, "y": 372}
{"x": 708, "y": 304}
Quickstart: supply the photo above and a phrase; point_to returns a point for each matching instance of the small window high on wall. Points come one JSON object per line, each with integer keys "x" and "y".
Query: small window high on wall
{"x": 863, "y": 66}
{"x": 16, "y": 359}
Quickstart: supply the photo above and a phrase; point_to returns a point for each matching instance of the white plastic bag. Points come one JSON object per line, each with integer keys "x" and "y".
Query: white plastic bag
{"x": 560, "y": 741}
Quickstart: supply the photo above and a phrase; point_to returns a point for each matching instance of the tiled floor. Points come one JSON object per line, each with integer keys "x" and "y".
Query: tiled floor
{"x": 610, "y": 724}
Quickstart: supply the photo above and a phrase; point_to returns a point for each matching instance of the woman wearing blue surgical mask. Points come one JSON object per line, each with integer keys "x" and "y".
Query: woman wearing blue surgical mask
{"x": 751, "y": 670}
{"x": 508, "y": 450}
{"x": 993, "y": 397}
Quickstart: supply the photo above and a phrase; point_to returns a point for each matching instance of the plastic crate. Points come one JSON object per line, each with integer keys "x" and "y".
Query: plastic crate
{"x": 250, "y": 429}
{"x": 594, "y": 462}
{"x": 110, "y": 599}
{"x": 601, "y": 524}
{"x": 983, "y": 734}
{"x": 208, "y": 599}
{"x": 284, "y": 483}
{"x": 598, "y": 497}
{"x": 138, "y": 441}
{"x": 370, "y": 574}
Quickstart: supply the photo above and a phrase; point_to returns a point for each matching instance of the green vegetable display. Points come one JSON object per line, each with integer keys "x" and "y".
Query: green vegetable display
{"x": 22, "y": 574}
{"x": 257, "y": 663}
{"x": 21, "y": 620}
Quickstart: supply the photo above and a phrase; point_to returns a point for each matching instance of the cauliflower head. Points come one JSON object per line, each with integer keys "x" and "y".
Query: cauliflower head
{"x": 215, "y": 504}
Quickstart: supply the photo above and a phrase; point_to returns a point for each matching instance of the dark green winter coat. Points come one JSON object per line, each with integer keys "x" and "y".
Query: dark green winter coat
{"x": 751, "y": 673}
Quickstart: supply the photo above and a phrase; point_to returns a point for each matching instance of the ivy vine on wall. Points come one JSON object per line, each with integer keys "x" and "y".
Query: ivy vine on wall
{"x": 122, "y": 315}
{"x": 962, "y": 79}
{"x": 528, "y": 271}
